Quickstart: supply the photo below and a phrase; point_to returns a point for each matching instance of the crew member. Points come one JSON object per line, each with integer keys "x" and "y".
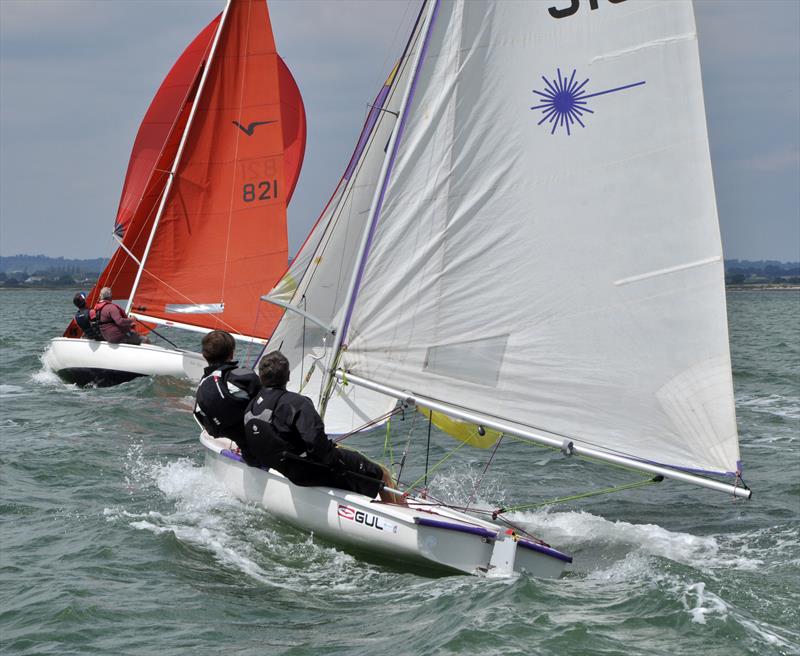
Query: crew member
{"x": 83, "y": 317}
{"x": 225, "y": 391}
{"x": 115, "y": 325}
{"x": 285, "y": 432}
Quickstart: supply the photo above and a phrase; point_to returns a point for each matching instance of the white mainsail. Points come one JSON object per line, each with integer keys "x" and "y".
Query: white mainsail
{"x": 546, "y": 251}
{"x": 314, "y": 289}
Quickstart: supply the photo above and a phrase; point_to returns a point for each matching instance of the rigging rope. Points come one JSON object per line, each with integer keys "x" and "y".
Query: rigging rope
{"x": 483, "y": 473}
{"x": 574, "y": 497}
{"x": 428, "y": 452}
{"x": 408, "y": 441}
{"x": 369, "y": 424}
{"x": 435, "y": 467}
{"x": 157, "y": 334}
{"x": 387, "y": 442}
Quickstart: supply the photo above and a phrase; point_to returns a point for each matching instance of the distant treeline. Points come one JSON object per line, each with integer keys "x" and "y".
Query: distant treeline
{"x": 43, "y": 271}
{"x": 744, "y": 272}
{"x": 41, "y": 264}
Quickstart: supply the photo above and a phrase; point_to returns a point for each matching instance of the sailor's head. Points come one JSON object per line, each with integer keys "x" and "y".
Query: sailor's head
{"x": 273, "y": 370}
{"x": 105, "y": 294}
{"x": 79, "y": 300}
{"x": 218, "y": 347}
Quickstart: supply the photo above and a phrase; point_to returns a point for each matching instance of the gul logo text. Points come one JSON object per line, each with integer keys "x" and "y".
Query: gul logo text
{"x": 361, "y": 517}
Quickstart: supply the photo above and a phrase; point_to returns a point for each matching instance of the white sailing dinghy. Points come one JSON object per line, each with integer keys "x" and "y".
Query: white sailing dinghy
{"x": 202, "y": 219}
{"x": 541, "y": 258}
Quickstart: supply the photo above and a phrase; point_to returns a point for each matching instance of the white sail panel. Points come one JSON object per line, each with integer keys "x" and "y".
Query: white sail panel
{"x": 548, "y": 249}
{"x": 317, "y": 281}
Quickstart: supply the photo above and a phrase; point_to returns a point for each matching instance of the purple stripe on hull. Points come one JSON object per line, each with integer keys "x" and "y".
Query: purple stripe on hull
{"x": 230, "y": 454}
{"x": 486, "y": 533}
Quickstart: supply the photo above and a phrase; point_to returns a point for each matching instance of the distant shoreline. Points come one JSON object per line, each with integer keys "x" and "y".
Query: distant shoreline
{"x": 765, "y": 287}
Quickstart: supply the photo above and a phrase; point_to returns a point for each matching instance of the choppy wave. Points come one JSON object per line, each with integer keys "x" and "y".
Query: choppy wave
{"x": 772, "y": 404}
{"x": 113, "y": 527}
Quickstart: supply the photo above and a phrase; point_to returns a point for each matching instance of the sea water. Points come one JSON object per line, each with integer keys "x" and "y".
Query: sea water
{"x": 116, "y": 540}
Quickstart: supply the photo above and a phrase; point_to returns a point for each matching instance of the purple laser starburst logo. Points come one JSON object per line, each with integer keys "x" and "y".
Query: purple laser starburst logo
{"x": 564, "y": 101}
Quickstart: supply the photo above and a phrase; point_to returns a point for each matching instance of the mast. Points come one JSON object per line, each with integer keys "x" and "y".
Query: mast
{"x": 377, "y": 203}
{"x": 178, "y": 155}
{"x": 566, "y": 445}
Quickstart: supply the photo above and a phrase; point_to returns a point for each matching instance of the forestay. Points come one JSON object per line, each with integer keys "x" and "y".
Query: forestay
{"x": 547, "y": 249}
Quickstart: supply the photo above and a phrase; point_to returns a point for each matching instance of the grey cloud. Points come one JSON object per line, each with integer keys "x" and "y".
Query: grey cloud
{"x": 76, "y": 76}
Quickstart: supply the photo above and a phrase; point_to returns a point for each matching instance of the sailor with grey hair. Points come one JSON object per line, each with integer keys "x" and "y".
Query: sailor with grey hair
{"x": 114, "y": 324}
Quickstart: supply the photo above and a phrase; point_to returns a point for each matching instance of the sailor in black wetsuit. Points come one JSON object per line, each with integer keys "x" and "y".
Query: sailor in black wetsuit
{"x": 84, "y": 318}
{"x": 225, "y": 391}
{"x": 284, "y": 432}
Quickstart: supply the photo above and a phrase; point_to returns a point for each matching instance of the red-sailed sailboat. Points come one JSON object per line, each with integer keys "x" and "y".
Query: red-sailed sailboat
{"x": 201, "y": 224}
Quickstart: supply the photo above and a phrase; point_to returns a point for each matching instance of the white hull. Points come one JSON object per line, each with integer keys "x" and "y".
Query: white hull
{"x": 429, "y": 536}
{"x": 83, "y": 361}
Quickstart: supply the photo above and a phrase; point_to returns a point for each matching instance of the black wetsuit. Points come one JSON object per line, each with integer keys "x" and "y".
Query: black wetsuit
{"x": 90, "y": 328}
{"x": 222, "y": 398}
{"x": 285, "y": 432}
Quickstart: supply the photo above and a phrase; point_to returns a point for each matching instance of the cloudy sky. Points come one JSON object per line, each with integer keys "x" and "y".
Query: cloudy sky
{"x": 76, "y": 77}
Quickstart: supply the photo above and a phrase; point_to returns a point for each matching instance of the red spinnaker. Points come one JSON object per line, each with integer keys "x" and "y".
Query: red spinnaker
{"x": 221, "y": 241}
{"x": 156, "y": 145}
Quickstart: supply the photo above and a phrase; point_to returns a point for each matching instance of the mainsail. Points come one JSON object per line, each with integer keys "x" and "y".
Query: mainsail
{"x": 543, "y": 251}
{"x": 314, "y": 289}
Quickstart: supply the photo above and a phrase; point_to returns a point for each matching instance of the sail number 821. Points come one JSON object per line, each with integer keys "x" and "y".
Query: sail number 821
{"x": 264, "y": 190}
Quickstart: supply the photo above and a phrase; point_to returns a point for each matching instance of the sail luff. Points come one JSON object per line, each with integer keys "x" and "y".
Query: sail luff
{"x": 566, "y": 445}
{"x": 380, "y": 191}
{"x": 176, "y": 162}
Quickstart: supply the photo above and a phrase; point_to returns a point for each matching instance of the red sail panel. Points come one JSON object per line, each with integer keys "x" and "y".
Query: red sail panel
{"x": 151, "y": 157}
{"x": 158, "y": 124}
{"x": 293, "y": 115}
{"x": 221, "y": 240}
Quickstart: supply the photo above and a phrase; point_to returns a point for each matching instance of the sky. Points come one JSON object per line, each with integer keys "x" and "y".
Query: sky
{"x": 76, "y": 77}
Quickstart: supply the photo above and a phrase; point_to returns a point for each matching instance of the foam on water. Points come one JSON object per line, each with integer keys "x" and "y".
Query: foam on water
{"x": 582, "y": 529}
{"x": 701, "y": 604}
{"x": 704, "y": 606}
{"x": 774, "y": 404}
{"x": 238, "y": 535}
{"x": 49, "y": 378}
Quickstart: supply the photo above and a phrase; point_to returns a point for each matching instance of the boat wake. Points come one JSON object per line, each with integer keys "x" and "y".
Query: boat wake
{"x": 622, "y": 563}
{"x": 10, "y": 390}
{"x": 46, "y": 376}
{"x": 581, "y": 531}
{"x": 198, "y": 511}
